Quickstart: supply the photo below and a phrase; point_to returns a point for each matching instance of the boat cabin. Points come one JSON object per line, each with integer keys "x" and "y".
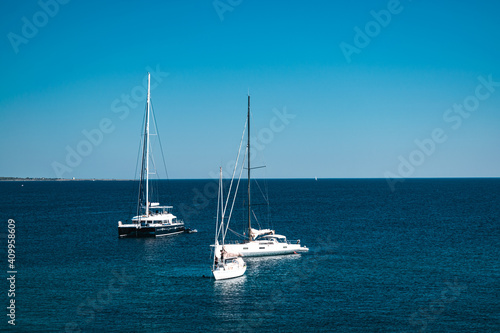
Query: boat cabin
{"x": 157, "y": 215}
{"x": 273, "y": 238}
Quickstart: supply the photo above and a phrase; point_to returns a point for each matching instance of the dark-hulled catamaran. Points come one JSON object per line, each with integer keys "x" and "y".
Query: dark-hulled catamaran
{"x": 152, "y": 219}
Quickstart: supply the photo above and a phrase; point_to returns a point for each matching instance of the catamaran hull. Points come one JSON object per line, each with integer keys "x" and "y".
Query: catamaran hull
{"x": 133, "y": 232}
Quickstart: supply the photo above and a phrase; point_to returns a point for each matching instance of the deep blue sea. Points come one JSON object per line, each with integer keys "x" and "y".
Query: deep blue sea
{"x": 424, "y": 258}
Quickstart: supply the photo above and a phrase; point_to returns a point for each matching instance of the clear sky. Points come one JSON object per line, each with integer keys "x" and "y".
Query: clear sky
{"x": 338, "y": 88}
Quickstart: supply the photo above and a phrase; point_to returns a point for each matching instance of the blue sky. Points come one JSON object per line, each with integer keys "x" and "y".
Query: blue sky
{"x": 316, "y": 111}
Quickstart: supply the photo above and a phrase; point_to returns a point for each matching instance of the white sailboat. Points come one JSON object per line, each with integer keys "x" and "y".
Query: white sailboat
{"x": 152, "y": 219}
{"x": 225, "y": 265}
{"x": 261, "y": 242}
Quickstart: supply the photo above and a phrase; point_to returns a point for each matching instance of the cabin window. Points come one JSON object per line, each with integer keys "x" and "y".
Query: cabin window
{"x": 245, "y": 248}
{"x": 261, "y": 248}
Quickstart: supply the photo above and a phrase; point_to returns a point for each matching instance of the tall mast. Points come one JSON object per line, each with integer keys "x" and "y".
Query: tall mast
{"x": 222, "y": 208}
{"x": 248, "y": 167}
{"x": 147, "y": 149}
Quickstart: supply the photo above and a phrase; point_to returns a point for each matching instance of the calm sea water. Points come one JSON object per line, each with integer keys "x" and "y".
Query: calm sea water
{"x": 422, "y": 258}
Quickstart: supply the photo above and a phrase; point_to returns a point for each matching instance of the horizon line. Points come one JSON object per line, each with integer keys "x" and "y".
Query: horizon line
{"x": 257, "y": 178}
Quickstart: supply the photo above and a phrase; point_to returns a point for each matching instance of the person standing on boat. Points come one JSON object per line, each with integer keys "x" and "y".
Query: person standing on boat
{"x": 222, "y": 253}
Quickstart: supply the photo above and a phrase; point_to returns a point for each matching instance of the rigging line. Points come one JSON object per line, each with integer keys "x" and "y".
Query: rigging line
{"x": 144, "y": 150}
{"x": 218, "y": 207}
{"x": 256, "y": 219}
{"x": 152, "y": 159}
{"x": 154, "y": 186}
{"x": 236, "y": 233}
{"x": 258, "y": 167}
{"x": 140, "y": 145}
{"x": 236, "y": 164}
{"x": 261, "y": 192}
{"x": 259, "y": 204}
{"x": 137, "y": 163}
{"x": 159, "y": 139}
{"x": 266, "y": 185}
{"x": 236, "y": 191}
{"x": 222, "y": 209}
{"x": 263, "y": 166}
{"x": 135, "y": 173}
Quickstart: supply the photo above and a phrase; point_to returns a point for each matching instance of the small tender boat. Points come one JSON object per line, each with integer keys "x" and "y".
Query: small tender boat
{"x": 228, "y": 266}
{"x": 225, "y": 265}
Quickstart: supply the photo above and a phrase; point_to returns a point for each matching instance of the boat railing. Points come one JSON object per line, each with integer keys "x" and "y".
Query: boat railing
{"x": 234, "y": 242}
{"x": 297, "y": 241}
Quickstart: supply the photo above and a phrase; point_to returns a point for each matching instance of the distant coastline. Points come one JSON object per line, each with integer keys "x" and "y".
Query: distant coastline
{"x": 175, "y": 179}
{"x": 26, "y": 179}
